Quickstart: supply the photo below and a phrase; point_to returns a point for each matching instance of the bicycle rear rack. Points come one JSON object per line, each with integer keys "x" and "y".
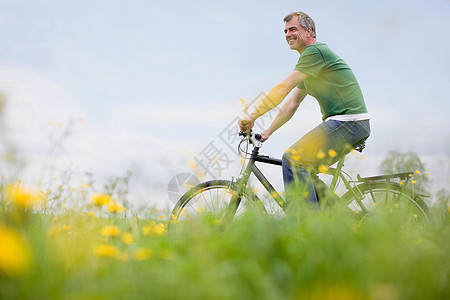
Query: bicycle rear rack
{"x": 402, "y": 176}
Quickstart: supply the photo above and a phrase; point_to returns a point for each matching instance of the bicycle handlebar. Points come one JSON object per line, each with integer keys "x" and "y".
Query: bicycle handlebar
{"x": 251, "y": 135}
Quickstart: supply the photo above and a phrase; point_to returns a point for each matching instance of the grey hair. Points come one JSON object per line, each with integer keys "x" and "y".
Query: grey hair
{"x": 305, "y": 21}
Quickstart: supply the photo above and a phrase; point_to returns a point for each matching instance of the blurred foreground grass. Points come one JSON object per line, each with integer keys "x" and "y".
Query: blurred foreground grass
{"x": 318, "y": 255}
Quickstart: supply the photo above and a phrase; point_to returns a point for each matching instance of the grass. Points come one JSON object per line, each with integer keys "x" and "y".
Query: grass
{"x": 326, "y": 254}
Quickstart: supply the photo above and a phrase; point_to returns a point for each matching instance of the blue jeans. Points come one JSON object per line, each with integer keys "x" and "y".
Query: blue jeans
{"x": 322, "y": 146}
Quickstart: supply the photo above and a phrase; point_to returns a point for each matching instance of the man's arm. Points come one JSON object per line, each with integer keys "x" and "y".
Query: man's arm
{"x": 286, "y": 112}
{"x": 273, "y": 99}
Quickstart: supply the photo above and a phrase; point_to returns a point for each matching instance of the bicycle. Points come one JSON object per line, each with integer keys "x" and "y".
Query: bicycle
{"x": 224, "y": 200}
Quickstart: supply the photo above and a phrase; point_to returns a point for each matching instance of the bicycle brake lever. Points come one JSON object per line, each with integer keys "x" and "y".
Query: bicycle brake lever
{"x": 242, "y": 133}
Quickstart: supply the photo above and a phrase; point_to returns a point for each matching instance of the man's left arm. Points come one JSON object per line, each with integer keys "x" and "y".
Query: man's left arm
{"x": 274, "y": 98}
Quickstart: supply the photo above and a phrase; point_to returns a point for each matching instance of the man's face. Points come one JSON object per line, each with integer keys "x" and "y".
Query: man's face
{"x": 295, "y": 35}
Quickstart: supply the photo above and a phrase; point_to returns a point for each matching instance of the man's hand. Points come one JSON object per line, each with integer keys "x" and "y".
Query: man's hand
{"x": 246, "y": 124}
{"x": 265, "y": 135}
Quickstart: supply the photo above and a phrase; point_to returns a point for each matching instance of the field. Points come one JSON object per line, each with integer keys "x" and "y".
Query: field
{"x": 102, "y": 251}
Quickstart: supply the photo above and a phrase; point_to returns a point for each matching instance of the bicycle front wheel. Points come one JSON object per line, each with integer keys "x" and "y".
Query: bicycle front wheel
{"x": 211, "y": 199}
{"x": 396, "y": 199}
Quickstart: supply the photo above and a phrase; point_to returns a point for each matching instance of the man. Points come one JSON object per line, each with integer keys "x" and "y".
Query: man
{"x": 322, "y": 74}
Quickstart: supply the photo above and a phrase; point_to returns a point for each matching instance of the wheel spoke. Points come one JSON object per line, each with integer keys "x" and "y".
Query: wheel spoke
{"x": 393, "y": 196}
{"x": 212, "y": 198}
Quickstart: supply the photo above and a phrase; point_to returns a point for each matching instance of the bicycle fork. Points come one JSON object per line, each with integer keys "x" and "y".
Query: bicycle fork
{"x": 238, "y": 188}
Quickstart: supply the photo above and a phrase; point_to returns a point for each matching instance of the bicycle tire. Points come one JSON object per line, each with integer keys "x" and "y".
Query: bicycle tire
{"x": 389, "y": 194}
{"x": 202, "y": 194}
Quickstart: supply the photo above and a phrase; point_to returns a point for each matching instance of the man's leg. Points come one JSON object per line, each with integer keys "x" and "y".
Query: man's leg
{"x": 297, "y": 162}
{"x": 321, "y": 146}
{"x": 297, "y": 181}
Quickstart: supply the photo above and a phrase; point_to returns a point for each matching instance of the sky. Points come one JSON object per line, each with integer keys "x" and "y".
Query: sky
{"x": 146, "y": 86}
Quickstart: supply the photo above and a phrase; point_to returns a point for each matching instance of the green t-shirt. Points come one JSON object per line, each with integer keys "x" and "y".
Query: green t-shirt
{"x": 331, "y": 81}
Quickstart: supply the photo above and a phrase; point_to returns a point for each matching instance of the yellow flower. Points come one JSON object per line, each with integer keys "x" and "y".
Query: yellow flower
{"x": 159, "y": 229}
{"x": 114, "y": 207}
{"x": 192, "y": 165}
{"x": 274, "y": 194}
{"x": 127, "y": 238}
{"x": 110, "y": 231}
{"x": 142, "y": 254}
{"x": 22, "y": 196}
{"x": 396, "y": 205}
{"x": 101, "y": 199}
{"x": 320, "y": 155}
{"x": 146, "y": 230}
{"x": 417, "y": 171}
{"x": 323, "y": 169}
{"x": 7, "y": 156}
{"x": 296, "y": 157}
{"x": 375, "y": 204}
{"x": 294, "y": 152}
{"x": 106, "y": 251}
{"x": 14, "y": 254}
{"x": 90, "y": 213}
{"x": 57, "y": 230}
{"x": 401, "y": 182}
{"x": 201, "y": 209}
{"x": 413, "y": 182}
{"x": 162, "y": 216}
{"x": 332, "y": 153}
{"x": 153, "y": 229}
{"x": 414, "y": 216}
{"x": 426, "y": 173}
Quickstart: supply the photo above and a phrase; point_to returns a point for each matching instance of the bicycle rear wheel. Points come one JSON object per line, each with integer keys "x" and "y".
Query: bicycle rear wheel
{"x": 211, "y": 199}
{"x": 396, "y": 199}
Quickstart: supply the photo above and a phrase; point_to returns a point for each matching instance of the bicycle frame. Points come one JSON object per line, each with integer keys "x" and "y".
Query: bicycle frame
{"x": 253, "y": 169}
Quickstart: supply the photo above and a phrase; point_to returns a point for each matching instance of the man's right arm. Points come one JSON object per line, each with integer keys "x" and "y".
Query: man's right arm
{"x": 273, "y": 99}
{"x": 286, "y": 112}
